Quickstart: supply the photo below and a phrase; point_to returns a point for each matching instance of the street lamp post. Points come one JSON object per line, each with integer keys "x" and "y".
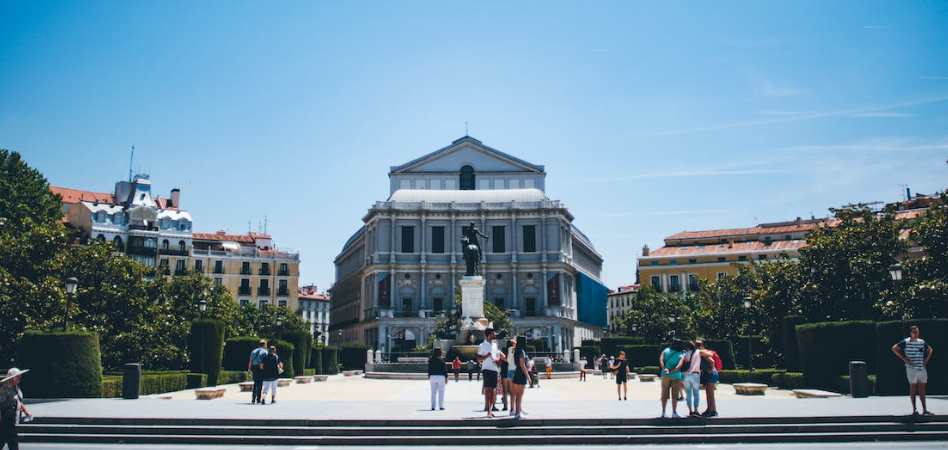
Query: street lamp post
{"x": 71, "y": 284}
{"x": 671, "y": 321}
{"x": 750, "y": 340}
{"x": 339, "y": 344}
{"x": 202, "y": 307}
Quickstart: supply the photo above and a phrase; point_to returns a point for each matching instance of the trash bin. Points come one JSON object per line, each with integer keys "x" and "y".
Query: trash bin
{"x": 131, "y": 381}
{"x": 858, "y": 379}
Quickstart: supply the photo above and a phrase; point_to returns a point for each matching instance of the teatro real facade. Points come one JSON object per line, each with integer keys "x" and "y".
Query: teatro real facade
{"x": 399, "y": 272}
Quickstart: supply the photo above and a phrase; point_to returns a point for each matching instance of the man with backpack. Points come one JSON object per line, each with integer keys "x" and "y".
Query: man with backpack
{"x": 915, "y": 352}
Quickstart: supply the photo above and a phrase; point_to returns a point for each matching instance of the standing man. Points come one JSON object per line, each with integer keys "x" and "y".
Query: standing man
{"x": 670, "y": 363}
{"x": 456, "y": 365}
{"x": 549, "y": 367}
{"x": 255, "y": 369}
{"x": 915, "y": 352}
{"x": 470, "y": 370}
{"x": 11, "y": 399}
{"x": 489, "y": 356}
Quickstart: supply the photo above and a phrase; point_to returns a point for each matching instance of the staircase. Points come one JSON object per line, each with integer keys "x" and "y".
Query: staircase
{"x": 473, "y": 431}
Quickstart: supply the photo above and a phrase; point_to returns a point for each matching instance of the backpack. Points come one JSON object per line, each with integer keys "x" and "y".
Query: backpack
{"x": 718, "y": 365}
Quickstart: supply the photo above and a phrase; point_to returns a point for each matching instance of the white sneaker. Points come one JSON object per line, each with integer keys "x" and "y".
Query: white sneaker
{"x": 663, "y": 415}
{"x": 675, "y": 416}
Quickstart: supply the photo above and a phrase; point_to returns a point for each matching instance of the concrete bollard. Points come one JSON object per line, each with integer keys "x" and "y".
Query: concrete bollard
{"x": 378, "y": 357}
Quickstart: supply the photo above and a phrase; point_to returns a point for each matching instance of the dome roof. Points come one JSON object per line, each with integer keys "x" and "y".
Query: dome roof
{"x": 474, "y": 196}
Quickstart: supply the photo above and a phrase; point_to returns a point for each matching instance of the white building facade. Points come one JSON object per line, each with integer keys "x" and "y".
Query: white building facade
{"x": 399, "y": 272}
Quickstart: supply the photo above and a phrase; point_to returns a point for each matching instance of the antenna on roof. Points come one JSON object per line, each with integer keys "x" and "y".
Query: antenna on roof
{"x": 465, "y": 129}
{"x": 264, "y": 224}
{"x": 130, "y": 161}
{"x": 249, "y": 230}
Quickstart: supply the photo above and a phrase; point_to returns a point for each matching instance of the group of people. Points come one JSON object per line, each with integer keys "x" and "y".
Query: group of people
{"x": 504, "y": 371}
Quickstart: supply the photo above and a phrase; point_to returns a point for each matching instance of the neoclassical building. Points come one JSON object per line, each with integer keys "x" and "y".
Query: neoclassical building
{"x": 398, "y": 273}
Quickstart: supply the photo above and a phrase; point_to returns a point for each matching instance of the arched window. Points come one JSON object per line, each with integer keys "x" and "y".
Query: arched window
{"x": 467, "y": 178}
{"x": 118, "y": 242}
{"x": 100, "y": 216}
{"x": 164, "y": 244}
{"x": 181, "y": 246}
{"x": 100, "y": 238}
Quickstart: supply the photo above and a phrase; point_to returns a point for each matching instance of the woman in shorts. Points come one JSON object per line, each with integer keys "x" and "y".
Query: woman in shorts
{"x": 709, "y": 378}
{"x": 519, "y": 380}
{"x": 621, "y": 368}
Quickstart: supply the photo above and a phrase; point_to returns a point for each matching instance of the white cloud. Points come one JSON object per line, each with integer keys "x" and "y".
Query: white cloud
{"x": 882, "y": 114}
{"x": 890, "y": 145}
{"x": 690, "y": 173}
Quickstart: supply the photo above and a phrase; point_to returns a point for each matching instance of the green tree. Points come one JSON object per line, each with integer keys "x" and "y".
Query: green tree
{"x": 447, "y": 326}
{"x": 25, "y": 198}
{"x": 925, "y": 278}
{"x": 650, "y": 315}
{"x": 722, "y": 313}
{"x": 845, "y": 264}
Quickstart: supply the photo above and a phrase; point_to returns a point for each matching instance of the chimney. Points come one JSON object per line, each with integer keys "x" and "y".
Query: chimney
{"x": 645, "y": 250}
{"x": 175, "y": 198}
{"x": 908, "y": 193}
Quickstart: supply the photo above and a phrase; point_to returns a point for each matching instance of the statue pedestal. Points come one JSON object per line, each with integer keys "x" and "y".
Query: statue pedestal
{"x": 472, "y": 297}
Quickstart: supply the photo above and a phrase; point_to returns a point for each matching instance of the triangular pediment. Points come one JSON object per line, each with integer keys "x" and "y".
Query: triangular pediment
{"x": 467, "y": 151}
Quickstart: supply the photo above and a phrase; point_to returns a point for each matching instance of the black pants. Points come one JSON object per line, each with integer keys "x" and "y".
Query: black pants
{"x": 257, "y": 383}
{"x": 8, "y": 435}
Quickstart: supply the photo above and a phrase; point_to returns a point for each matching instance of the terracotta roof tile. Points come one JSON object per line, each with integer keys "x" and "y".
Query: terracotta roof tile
{"x": 738, "y": 247}
{"x": 76, "y": 195}
{"x": 243, "y": 238}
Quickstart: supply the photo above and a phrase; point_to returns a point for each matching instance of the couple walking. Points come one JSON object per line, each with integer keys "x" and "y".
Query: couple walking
{"x": 265, "y": 367}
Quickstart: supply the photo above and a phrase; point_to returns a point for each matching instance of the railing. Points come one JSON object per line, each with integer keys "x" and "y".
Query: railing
{"x": 143, "y": 227}
{"x": 180, "y": 271}
{"x": 245, "y": 271}
{"x": 251, "y": 253}
{"x": 221, "y": 270}
{"x": 244, "y": 290}
{"x": 263, "y": 291}
{"x": 264, "y": 271}
{"x": 284, "y": 273}
{"x": 141, "y": 250}
{"x": 283, "y": 291}
{"x": 171, "y": 252}
{"x": 164, "y": 270}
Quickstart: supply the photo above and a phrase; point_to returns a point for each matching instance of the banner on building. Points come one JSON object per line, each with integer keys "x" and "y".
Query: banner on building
{"x": 385, "y": 290}
{"x": 553, "y": 289}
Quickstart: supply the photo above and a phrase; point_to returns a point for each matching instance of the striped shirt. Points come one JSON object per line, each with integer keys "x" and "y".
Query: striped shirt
{"x": 915, "y": 352}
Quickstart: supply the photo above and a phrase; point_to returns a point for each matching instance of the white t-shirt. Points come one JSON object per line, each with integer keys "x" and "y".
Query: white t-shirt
{"x": 489, "y": 348}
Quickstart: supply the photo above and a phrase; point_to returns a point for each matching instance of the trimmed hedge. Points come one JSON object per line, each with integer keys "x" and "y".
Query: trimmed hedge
{"x": 791, "y": 350}
{"x": 316, "y": 360}
{"x": 640, "y": 355}
{"x": 62, "y": 364}
{"x": 151, "y": 383}
{"x": 197, "y": 380}
{"x": 111, "y": 386}
{"x": 758, "y": 346}
{"x": 302, "y": 346}
{"x": 764, "y": 376}
{"x": 285, "y": 351}
{"x": 206, "y": 348}
{"x": 789, "y": 380}
{"x": 591, "y": 353}
{"x": 609, "y": 345}
{"x": 232, "y": 376}
{"x": 237, "y": 352}
{"x": 655, "y": 370}
{"x": 725, "y": 351}
{"x": 329, "y": 358}
{"x": 843, "y": 386}
{"x": 352, "y": 356}
{"x": 890, "y": 369}
{"x": 827, "y": 347}
{"x": 309, "y": 372}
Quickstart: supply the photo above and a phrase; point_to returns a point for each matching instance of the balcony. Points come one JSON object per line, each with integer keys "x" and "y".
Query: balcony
{"x": 263, "y": 291}
{"x": 218, "y": 270}
{"x": 143, "y": 227}
{"x": 180, "y": 271}
{"x": 245, "y": 271}
{"x": 284, "y": 273}
{"x": 141, "y": 250}
{"x": 164, "y": 270}
{"x": 175, "y": 252}
{"x": 283, "y": 291}
{"x": 244, "y": 290}
{"x": 264, "y": 271}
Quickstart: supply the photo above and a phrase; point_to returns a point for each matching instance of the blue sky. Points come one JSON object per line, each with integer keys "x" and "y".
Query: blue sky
{"x": 650, "y": 117}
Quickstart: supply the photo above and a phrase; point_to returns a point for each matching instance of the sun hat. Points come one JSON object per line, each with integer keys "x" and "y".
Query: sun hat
{"x": 13, "y": 373}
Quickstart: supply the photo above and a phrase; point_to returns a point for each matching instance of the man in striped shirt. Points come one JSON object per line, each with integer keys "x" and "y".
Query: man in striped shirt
{"x": 915, "y": 353}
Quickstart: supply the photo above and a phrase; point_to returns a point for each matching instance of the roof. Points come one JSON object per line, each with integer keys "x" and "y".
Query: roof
{"x": 163, "y": 203}
{"x": 458, "y": 143}
{"x": 317, "y": 297}
{"x": 76, "y": 195}
{"x": 737, "y": 247}
{"x": 472, "y": 196}
{"x": 221, "y": 236}
{"x": 632, "y": 288}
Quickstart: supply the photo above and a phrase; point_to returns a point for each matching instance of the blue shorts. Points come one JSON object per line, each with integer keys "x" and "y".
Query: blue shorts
{"x": 709, "y": 377}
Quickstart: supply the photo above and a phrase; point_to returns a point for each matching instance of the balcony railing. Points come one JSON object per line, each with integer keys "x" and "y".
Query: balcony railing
{"x": 244, "y": 271}
{"x": 164, "y": 270}
{"x": 174, "y": 252}
{"x": 283, "y": 291}
{"x": 264, "y": 271}
{"x": 244, "y": 290}
{"x": 263, "y": 291}
{"x": 143, "y": 227}
{"x": 248, "y": 253}
{"x": 218, "y": 270}
{"x": 141, "y": 250}
{"x": 284, "y": 273}
{"x": 180, "y": 271}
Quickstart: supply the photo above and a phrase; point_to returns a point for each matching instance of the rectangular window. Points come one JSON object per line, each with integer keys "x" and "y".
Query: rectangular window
{"x": 498, "y": 238}
{"x": 673, "y": 262}
{"x": 179, "y": 267}
{"x": 284, "y": 270}
{"x": 218, "y": 281}
{"x": 529, "y": 238}
{"x": 656, "y": 283}
{"x": 722, "y": 275}
{"x": 692, "y": 282}
{"x": 654, "y": 263}
{"x": 282, "y": 303}
{"x": 438, "y": 304}
{"x": 722, "y": 259}
{"x": 245, "y": 268}
{"x": 437, "y": 239}
{"x": 499, "y": 302}
{"x": 761, "y": 257}
{"x": 199, "y": 266}
{"x": 674, "y": 284}
{"x": 283, "y": 289}
{"x": 531, "y": 306}
{"x": 406, "y": 304}
{"x": 263, "y": 303}
{"x": 408, "y": 239}
{"x": 692, "y": 261}
{"x": 244, "y": 286}
{"x": 244, "y": 302}
{"x": 264, "y": 268}
{"x": 742, "y": 258}
{"x": 218, "y": 266}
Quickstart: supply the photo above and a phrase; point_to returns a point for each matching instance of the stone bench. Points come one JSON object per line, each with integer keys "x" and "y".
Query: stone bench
{"x": 210, "y": 393}
{"x": 284, "y": 382}
{"x": 348, "y": 373}
{"x": 814, "y": 393}
{"x": 246, "y": 386}
{"x": 303, "y": 380}
{"x": 647, "y": 378}
{"x": 412, "y": 359}
{"x": 750, "y": 388}
{"x": 633, "y": 375}
{"x": 320, "y": 377}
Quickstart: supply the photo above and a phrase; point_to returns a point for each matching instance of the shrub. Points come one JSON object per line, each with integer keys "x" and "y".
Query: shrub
{"x": 164, "y": 382}
{"x": 762, "y": 357}
{"x": 789, "y": 380}
{"x": 843, "y": 386}
{"x": 111, "y": 386}
{"x": 206, "y": 347}
{"x": 641, "y": 355}
{"x": 890, "y": 370}
{"x": 302, "y": 346}
{"x": 764, "y": 376}
{"x": 197, "y": 380}
{"x": 329, "y": 357}
{"x": 285, "y": 351}
{"x": 352, "y": 356}
{"x": 316, "y": 360}
{"x": 591, "y": 353}
{"x": 725, "y": 351}
{"x": 791, "y": 351}
{"x": 827, "y": 347}
{"x": 232, "y": 376}
{"x": 309, "y": 372}
{"x": 237, "y": 352}
{"x": 655, "y": 370}
{"x": 609, "y": 345}
{"x": 62, "y": 364}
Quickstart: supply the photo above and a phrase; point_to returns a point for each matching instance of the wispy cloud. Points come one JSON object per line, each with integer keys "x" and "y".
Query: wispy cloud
{"x": 690, "y": 173}
{"x": 888, "y": 145}
{"x": 882, "y": 114}
{"x": 766, "y": 89}
{"x": 656, "y": 213}
{"x": 794, "y": 118}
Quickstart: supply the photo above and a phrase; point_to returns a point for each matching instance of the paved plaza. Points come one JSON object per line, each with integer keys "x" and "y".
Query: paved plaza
{"x": 368, "y": 399}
